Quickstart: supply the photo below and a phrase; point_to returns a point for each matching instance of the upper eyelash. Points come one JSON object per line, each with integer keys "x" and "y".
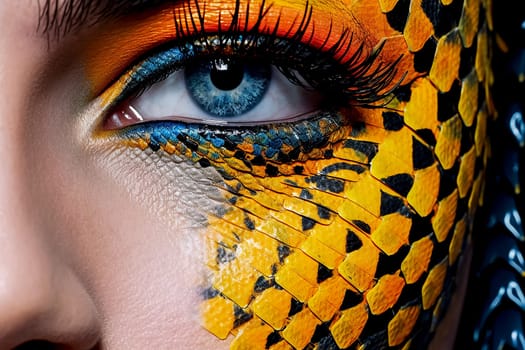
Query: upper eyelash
{"x": 353, "y": 80}
{"x": 356, "y": 79}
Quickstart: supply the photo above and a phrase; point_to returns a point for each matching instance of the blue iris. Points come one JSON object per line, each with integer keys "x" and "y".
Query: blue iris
{"x": 225, "y": 88}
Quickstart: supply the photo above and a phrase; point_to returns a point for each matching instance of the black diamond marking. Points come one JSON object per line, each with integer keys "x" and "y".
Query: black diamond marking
{"x": 427, "y": 135}
{"x": 443, "y": 18}
{"x": 358, "y": 128}
{"x": 323, "y": 273}
{"x": 298, "y": 169}
{"x": 225, "y": 255}
{"x": 392, "y": 121}
{"x": 448, "y": 102}
{"x": 389, "y": 264}
{"x": 295, "y": 307}
{"x": 325, "y": 183}
{"x": 283, "y": 252}
{"x": 353, "y": 242}
{"x": 424, "y": 58}
{"x": 307, "y": 223}
{"x": 321, "y": 331}
{"x": 262, "y": 284}
{"x": 377, "y": 340}
{"x": 154, "y": 146}
{"x": 421, "y": 227}
{"x": 390, "y": 204}
{"x": 411, "y": 293}
{"x": 362, "y": 225}
{"x": 210, "y": 293}
{"x": 323, "y": 212}
{"x": 403, "y": 93}
{"x": 342, "y": 166}
{"x": 241, "y": 316}
{"x": 240, "y": 154}
{"x": 305, "y": 194}
{"x": 327, "y": 343}
{"x": 398, "y": 16}
{"x": 191, "y": 144}
{"x": 375, "y": 325}
{"x": 203, "y": 162}
{"x": 273, "y": 338}
{"x": 258, "y": 160}
{"x": 369, "y": 149}
{"x": 249, "y": 224}
{"x": 401, "y": 183}
{"x": 422, "y": 156}
{"x": 271, "y": 170}
{"x": 351, "y": 299}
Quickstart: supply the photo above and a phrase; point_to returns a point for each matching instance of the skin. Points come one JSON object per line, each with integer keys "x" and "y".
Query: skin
{"x": 98, "y": 244}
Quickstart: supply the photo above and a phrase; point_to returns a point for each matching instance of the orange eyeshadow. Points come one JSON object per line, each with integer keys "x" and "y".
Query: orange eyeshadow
{"x": 121, "y": 44}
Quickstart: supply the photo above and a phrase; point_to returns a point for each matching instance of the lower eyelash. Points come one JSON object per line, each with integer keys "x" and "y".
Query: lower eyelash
{"x": 262, "y": 145}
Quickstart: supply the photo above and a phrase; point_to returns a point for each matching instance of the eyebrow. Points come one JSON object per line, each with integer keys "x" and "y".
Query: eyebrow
{"x": 58, "y": 18}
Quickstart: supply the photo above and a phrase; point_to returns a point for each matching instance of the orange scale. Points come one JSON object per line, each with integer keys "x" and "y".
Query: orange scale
{"x": 366, "y": 192}
{"x": 305, "y": 208}
{"x": 445, "y": 67}
{"x": 301, "y": 328}
{"x": 273, "y": 306}
{"x": 401, "y": 325}
{"x": 327, "y": 300}
{"x": 468, "y": 99}
{"x": 280, "y": 231}
{"x": 322, "y": 252}
{"x": 349, "y": 326}
{"x": 251, "y": 333}
{"x": 218, "y": 316}
{"x": 359, "y": 267}
{"x": 417, "y": 260}
{"x": 424, "y": 192}
{"x": 445, "y": 215}
{"x": 236, "y": 280}
{"x": 333, "y": 236}
{"x": 433, "y": 285}
{"x": 353, "y": 212}
{"x": 392, "y": 233}
{"x": 295, "y": 284}
{"x": 418, "y": 27}
{"x": 423, "y": 97}
{"x": 456, "y": 244}
{"x": 387, "y": 5}
{"x": 466, "y": 172}
{"x": 475, "y": 198}
{"x": 385, "y": 293}
{"x": 481, "y": 62}
{"x": 448, "y": 143}
{"x": 480, "y": 134}
{"x": 264, "y": 249}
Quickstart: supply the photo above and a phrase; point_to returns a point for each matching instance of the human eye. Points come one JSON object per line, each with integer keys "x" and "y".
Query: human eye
{"x": 248, "y": 76}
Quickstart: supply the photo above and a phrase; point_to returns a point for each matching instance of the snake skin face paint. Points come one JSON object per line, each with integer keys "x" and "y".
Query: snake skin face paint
{"x": 344, "y": 228}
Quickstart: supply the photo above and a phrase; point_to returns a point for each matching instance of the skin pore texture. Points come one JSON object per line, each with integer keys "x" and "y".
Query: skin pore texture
{"x": 348, "y": 228}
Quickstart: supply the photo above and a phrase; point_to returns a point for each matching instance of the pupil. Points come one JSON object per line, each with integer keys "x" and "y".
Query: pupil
{"x": 226, "y": 75}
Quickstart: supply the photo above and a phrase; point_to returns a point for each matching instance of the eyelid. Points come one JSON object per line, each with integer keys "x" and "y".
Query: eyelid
{"x": 118, "y": 45}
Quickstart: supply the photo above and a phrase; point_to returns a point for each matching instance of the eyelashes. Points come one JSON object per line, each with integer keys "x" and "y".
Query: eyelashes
{"x": 357, "y": 78}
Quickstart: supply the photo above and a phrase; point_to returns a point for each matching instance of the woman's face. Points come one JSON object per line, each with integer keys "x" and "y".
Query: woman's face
{"x": 216, "y": 174}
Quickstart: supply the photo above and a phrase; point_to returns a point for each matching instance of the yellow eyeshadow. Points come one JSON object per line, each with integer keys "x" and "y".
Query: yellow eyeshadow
{"x": 118, "y": 45}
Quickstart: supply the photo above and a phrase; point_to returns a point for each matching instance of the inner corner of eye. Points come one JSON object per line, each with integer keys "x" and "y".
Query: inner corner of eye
{"x": 220, "y": 91}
